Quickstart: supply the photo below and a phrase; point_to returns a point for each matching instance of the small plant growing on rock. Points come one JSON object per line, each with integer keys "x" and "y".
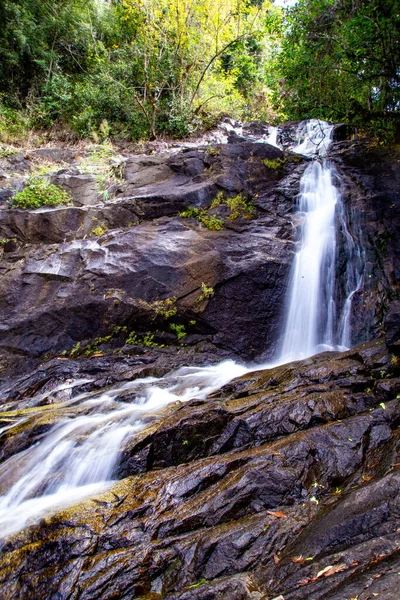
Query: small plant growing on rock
{"x": 164, "y": 309}
{"x": 39, "y": 192}
{"x": 99, "y": 230}
{"x": 206, "y": 292}
{"x": 210, "y": 221}
{"x": 179, "y": 330}
{"x": 6, "y": 150}
{"x": 212, "y": 151}
{"x": 239, "y": 207}
{"x": 147, "y": 340}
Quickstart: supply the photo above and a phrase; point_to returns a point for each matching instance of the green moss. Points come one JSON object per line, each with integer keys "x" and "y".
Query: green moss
{"x": 276, "y": 163}
{"x": 99, "y": 230}
{"x": 39, "y": 192}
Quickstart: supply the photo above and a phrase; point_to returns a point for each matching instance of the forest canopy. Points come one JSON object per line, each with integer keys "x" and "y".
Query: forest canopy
{"x": 146, "y": 68}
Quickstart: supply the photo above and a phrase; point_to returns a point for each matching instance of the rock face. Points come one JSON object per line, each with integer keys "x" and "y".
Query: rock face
{"x": 56, "y": 294}
{"x": 284, "y": 483}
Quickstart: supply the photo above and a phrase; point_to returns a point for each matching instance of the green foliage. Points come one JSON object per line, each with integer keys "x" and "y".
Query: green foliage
{"x": 39, "y": 192}
{"x": 144, "y": 68}
{"x": 13, "y": 124}
{"x": 164, "y": 309}
{"x": 179, "y": 330}
{"x": 340, "y": 60}
{"x": 147, "y": 340}
{"x": 6, "y": 150}
{"x": 210, "y": 221}
{"x": 99, "y": 230}
{"x": 206, "y": 292}
{"x": 239, "y": 206}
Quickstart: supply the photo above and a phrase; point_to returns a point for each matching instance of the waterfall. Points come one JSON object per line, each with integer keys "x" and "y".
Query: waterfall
{"x": 314, "y": 321}
{"x": 77, "y": 457}
{"x": 311, "y": 306}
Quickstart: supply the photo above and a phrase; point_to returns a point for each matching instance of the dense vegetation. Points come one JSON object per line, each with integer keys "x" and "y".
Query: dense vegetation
{"x": 341, "y": 61}
{"x": 144, "y": 68}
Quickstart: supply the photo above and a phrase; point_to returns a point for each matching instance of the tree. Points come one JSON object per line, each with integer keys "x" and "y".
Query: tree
{"x": 340, "y": 59}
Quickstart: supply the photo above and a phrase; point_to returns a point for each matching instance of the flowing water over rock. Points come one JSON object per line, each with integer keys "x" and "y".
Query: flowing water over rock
{"x": 79, "y": 455}
{"x": 315, "y": 321}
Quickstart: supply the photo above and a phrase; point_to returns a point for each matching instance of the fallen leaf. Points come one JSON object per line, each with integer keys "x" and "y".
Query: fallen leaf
{"x": 276, "y": 513}
{"x": 304, "y": 581}
{"x": 276, "y": 559}
{"x": 97, "y": 354}
{"x": 298, "y": 559}
{"x": 330, "y": 570}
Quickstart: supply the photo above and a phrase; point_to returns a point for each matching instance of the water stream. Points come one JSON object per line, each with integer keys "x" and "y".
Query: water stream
{"x": 78, "y": 456}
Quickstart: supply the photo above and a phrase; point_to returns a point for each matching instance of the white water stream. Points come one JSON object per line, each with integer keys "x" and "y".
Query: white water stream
{"x": 78, "y": 456}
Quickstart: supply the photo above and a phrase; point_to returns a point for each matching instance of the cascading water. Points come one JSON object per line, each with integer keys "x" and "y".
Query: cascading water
{"x": 314, "y": 322}
{"x": 78, "y": 456}
{"x": 311, "y": 314}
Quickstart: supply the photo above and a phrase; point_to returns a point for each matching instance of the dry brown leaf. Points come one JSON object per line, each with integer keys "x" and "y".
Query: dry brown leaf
{"x": 97, "y": 354}
{"x": 276, "y": 559}
{"x": 276, "y": 513}
{"x": 305, "y": 581}
{"x": 330, "y": 570}
{"x": 298, "y": 559}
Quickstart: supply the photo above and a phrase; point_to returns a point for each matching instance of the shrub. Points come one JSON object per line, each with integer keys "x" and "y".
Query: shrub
{"x": 210, "y": 221}
{"x": 179, "y": 330}
{"x": 39, "y": 192}
{"x": 14, "y": 125}
{"x": 164, "y": 309}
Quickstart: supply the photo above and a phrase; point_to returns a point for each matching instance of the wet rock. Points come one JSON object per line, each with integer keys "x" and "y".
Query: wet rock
{"x": 290, "y": 491}
{"x": 341, "y": 132}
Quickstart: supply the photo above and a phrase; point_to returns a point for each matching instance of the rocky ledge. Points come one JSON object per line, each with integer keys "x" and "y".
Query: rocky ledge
{"x": 284, "y": 483}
